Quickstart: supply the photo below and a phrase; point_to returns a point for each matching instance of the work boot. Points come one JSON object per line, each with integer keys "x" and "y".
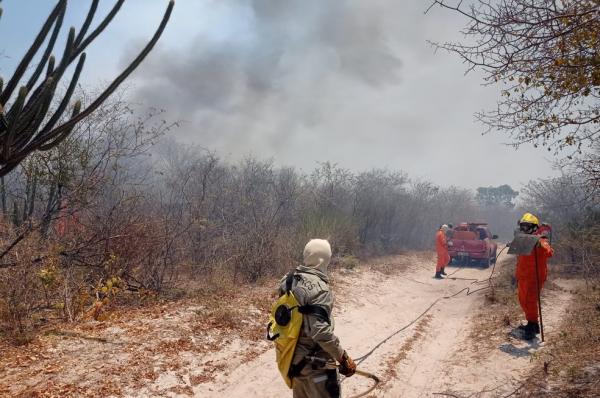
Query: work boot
{"x": 443, "y": 271}
{"x": 531, "y": 326}
{"x": 529, "y": 331}
{"x": 535, "y": 327}
{"x": 528, "y": 334}
{"x": 438, "y": 275}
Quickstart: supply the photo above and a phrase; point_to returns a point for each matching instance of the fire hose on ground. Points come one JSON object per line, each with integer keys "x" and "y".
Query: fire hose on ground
{"x": 468, "y": 290}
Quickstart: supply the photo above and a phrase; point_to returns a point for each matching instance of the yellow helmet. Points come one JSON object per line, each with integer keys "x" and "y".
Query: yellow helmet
{"x": 530, "y": 219}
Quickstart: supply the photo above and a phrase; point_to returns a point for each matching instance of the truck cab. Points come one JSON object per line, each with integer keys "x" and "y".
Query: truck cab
{"x": 472, "y": 242}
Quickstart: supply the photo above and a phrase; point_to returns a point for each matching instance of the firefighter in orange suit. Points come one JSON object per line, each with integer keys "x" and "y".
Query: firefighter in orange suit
{"x": 526, "y": 278}
{"x": 441, "y": 247}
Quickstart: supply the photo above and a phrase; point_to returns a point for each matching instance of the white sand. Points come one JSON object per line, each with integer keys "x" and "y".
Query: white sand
{"x": 432, "y": 356}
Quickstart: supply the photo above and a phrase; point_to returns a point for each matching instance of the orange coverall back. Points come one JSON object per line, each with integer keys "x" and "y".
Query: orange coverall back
{"x": 528, "y": 293}
{"x": 441, "y": 247}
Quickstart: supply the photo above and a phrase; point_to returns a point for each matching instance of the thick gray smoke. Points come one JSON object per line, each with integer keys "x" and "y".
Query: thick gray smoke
{"x": 353, "y": 82}
{"x": 299, "y": 63}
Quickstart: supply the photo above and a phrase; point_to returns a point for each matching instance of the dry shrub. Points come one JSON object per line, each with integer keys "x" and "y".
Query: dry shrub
{"x": 340, "y": 229}
{"x": 224, "y": 317}
{"x": 348, "y": 262}
{"x": 20, "y": 288}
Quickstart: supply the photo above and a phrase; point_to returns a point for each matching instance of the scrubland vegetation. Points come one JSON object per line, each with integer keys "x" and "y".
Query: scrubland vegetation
{"x": 117, "y": 210}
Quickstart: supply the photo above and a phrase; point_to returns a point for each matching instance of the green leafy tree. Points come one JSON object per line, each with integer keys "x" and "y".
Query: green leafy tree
{"x": 502, "y": 195}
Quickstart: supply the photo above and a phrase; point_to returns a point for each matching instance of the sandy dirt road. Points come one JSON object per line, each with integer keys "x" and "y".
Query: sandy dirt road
{"x": 173, "y": 350}
{"x": 433, "y": 356}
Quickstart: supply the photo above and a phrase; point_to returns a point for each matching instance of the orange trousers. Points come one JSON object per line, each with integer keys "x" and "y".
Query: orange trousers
{"x": 441, "y": 247}
{"x": 443, "y": 258}
{"x": 528, "y": 297}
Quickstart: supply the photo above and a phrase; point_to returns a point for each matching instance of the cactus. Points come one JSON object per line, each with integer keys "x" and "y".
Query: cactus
{"x": 26, "y": 124}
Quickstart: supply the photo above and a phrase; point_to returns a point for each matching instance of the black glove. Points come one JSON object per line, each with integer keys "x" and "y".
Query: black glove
{"x": 347, "y": 365}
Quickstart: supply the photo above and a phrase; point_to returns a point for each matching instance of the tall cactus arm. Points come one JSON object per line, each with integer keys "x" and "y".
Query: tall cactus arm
{"x": 69, "y": 49}
{"x": 65, "y": 133}
{"x": 48, "y": 52}
{"x": 24, "y": 133}
{"x": 50, "y": 69}
{"x": 65, "y": 101}
{"x": 94, "y": 105}
{"x": 87, "y": 22}
{"x": 15, "y": 111}
{"x": 81, "y": 46}
{"x": 34, "y": 115}
{"x": 27, "y": 58}
{"x": 13, "y": 118}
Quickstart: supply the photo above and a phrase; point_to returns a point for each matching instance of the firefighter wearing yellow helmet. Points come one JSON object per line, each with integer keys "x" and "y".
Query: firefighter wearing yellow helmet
{"x": 530, "y": 284}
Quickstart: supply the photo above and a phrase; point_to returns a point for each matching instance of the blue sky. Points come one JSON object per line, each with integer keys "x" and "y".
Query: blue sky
{"x": 134, "y": 24}
{"x": 350, "y": 82}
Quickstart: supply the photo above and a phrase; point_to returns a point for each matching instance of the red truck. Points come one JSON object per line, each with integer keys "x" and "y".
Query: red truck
{"x": 472, "y": 242}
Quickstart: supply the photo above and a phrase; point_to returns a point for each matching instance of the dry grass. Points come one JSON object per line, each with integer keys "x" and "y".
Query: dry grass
{"x": 127, "y": 351}
{"x": 501, "y": 310}
{"x": 571, "y": 365}
{"x": 407, "y": 346}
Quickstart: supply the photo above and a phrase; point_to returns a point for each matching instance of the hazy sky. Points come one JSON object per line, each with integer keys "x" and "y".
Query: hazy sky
{"x": 300, "y": 82}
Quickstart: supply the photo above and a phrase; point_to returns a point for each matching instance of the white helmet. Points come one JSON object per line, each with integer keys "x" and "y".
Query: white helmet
{"x": 317, "y": 254}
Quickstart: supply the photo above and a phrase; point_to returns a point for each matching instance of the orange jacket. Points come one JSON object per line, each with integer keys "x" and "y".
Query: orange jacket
{"x": 440, "y": 241}
{"x": 441, "y": 247}
{"x": 526, "y": 264}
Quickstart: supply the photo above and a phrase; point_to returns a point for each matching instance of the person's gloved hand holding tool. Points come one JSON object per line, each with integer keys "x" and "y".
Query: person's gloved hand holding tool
{"x": 347, "y": 365}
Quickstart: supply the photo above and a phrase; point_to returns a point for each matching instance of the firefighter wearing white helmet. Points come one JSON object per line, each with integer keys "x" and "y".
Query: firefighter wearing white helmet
{"x": 309, "y": 285}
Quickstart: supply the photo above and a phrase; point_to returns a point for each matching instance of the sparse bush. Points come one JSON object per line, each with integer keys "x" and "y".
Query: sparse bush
{"x": 97, "y": 208}
{"x": 348, "y": 262}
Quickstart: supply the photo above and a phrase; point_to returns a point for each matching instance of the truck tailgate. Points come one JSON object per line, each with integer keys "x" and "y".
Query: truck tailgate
{"x": 461, "y": 246}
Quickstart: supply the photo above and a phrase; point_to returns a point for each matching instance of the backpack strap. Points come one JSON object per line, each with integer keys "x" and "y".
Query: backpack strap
{"x": 308, "y": 309}
{"x": 316, "y": 310}
{"x": 289, "y": 279}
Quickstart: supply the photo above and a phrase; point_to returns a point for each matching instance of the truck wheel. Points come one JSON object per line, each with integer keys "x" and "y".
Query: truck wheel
{"x": 494, "y": 257}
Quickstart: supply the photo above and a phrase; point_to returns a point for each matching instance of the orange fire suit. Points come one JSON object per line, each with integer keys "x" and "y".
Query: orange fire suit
{"x": 528, "y": 293}
{"x": 441, "y": 247}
